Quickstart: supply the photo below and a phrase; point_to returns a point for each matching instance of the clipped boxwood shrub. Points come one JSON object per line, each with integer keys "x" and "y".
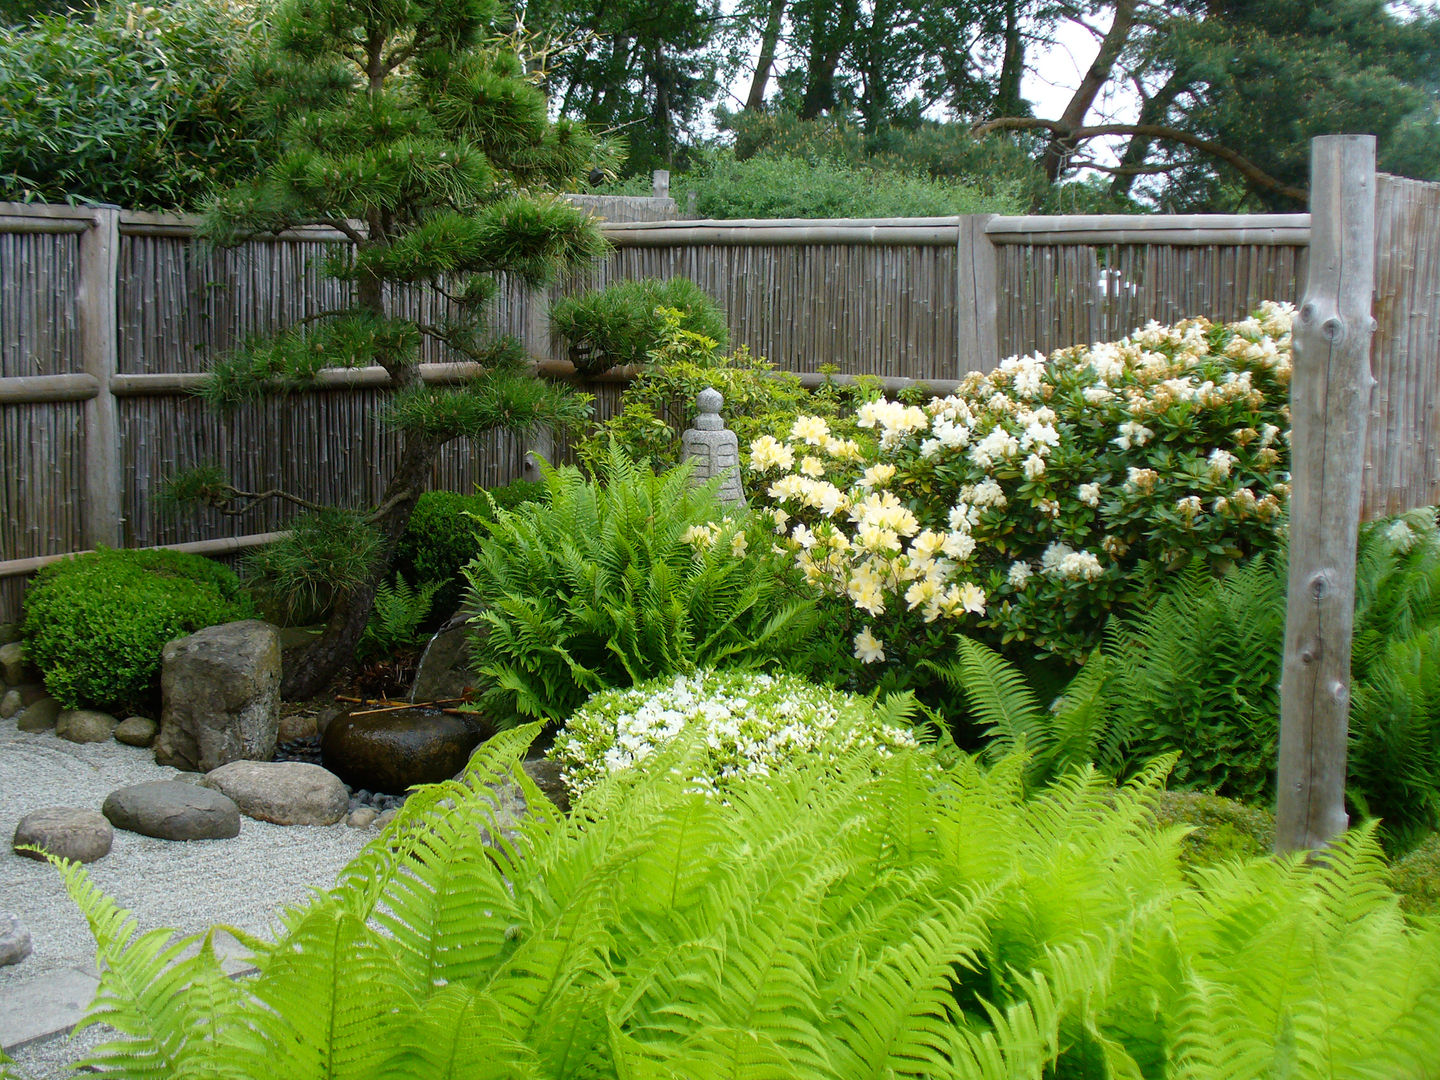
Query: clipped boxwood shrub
{"x": 621, "y": 324}
{"x": 1416, "y": 878}
{"x": 96, "y": 624}
{"x": 444, "y": 535}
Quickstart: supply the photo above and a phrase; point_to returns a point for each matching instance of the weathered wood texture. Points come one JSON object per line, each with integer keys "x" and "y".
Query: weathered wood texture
{"x": 1330, "y": 402}
{"x": 1402, "y": 437}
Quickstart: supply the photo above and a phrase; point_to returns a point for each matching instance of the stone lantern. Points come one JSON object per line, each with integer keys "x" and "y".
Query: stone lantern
{"x": 714, "y": 448}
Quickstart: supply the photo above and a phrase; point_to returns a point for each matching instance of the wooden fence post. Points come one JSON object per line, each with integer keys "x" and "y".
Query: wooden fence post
{"x": 1329, "y": 402}
{"x": 95, "y": 306}
{"x": 977, "y": 335}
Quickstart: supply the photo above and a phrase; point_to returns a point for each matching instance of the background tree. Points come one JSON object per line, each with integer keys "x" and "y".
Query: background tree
{"x": 409, "y": 126}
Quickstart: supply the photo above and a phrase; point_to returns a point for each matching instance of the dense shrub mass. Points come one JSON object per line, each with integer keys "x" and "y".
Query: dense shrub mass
{"x": 624, "y": 323}
{"x": 749, "y": 723}
{"x": 659, "y": 403}
{"x": 96, "y": 624}
{"x": 612, "y": 582}
{"x": 903, "y": 915}
{"x": 444, "y": 534}
{"x": 131, "y": 104}
{"x": 1046, "y": 494}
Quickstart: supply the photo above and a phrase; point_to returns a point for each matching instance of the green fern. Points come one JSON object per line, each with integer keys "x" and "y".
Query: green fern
{"x": 396, "y": 617}
{"x": 853, "y": 916}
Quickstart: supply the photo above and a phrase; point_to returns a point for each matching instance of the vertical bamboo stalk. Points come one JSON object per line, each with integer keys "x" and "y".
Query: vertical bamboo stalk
{"x": 1329, "y": 399}
{"x": 95, "y": 302}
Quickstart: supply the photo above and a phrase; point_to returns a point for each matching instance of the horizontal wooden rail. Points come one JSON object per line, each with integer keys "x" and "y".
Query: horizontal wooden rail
{"x": 1170, "y": 229}
{"x": 34, "y": 389}
{"x": 226, "y": 545}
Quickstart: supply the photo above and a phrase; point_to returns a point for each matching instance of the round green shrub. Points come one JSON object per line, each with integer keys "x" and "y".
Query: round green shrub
{"x": 1416, "y": 878}
{"x": 752, "y": 723}
{"x": 95, "y": 625}
{"x": 622, "y": 324}
{"x": 444, "y": 535}
{"x": 1221, "y": 829}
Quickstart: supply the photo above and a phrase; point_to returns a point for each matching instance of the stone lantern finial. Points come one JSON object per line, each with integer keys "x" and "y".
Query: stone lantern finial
{"x": 713, "y": 447}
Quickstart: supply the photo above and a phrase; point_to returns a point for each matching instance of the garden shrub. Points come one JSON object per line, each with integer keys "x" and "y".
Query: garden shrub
{"x": 1221, "y": 830}
{"x": 623, "y": 323}
{"x": 444, "y": 534}
{"x": 1416, "y": 877}
{"x": 859, "y": 915}
{"x": 1046, "y": 494}
{"x": 614, "y": 582}
{"x": 128, "y": 104}
{"x": 659, "y": 403}
{"x": 96, "y": 624}
{"x": 749, "y": 723}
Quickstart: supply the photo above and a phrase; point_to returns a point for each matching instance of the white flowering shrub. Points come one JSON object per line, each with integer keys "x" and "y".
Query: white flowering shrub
{"x": 1045, "y": 494}
{"x": 752, "y": 723}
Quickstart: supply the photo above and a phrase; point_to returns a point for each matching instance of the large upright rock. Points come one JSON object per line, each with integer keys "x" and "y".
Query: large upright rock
{"x": 221, "y": 697}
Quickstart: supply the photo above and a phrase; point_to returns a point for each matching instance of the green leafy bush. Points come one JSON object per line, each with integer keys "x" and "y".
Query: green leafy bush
{"x": 95, "y": 625}
{"x": 750, "y": 724}
{"x": 612, "y": 583}
{"x": 659, "y": 403}
{"x": 623, "y": 323}
{"x": 1046, "y": 494}
{"x": 1416, "y": 877}
{"x": 1221, "y": 830}
{"x": 444, "y": 534}
{"x": 131, "y": 104}
{"x": 866, "y": 915}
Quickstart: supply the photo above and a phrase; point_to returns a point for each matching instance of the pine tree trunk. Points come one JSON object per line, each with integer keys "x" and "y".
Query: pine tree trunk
{"x": 755, "y": 100}
{"x": 310, "y": 672}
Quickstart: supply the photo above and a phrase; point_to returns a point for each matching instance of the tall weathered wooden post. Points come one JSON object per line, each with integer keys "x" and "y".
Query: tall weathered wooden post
{"x": 1329, "y": 401}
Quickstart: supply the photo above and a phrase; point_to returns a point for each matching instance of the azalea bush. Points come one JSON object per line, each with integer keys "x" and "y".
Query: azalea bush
{"x": 1045, "y": 494}
{"x": 748, "y": 723}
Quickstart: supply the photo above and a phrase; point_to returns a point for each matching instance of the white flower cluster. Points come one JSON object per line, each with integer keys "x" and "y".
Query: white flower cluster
{"x": 749, "y": 723}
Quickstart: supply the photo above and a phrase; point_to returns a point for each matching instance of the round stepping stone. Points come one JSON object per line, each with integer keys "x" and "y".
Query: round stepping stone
{"x": 173, "y": 811}
{"x": 14, "y": 940}
{"x": 282, "y": 792}
{"x": 39, "y": 716}
{"x": 85, "y": 725}
{"x": 66, "y": 832}
{"x": 136, "y": 731}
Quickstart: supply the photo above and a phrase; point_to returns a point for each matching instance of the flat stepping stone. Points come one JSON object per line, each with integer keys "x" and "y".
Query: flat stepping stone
{"x": 65, "y": 832}
{"x": 170, "y": 810}
{"x": 14, "y": 940}
{"x": 282, "y": 792}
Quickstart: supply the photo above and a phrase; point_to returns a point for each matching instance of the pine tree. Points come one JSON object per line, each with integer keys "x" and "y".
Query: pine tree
{"x": 411, "y": 127}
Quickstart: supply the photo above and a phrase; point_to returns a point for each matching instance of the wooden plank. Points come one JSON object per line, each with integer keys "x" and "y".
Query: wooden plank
{"x": 95, "y": 302}
{"x": 1172, "y": 238}
{"x": 225, "y": 545}
{"x": 1329, "y": 395}
{"x": 977, "y": 342}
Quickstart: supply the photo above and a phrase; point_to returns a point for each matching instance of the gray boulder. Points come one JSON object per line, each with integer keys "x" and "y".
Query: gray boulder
{"x": 282, "y": 792}
{"x": 66, "y": 832}
{"x": 85, "y": 725}
{"x": 221, "y": 697}
{"x": 173, "y": 811}
{"x": 14, "y": 668}
{"x": 14, "y": 940}
{"x": 11, "y": 704}
{"x": 444, "y": 670}
{"x": 136, "y": 731}
{"x": 41, "y": 716}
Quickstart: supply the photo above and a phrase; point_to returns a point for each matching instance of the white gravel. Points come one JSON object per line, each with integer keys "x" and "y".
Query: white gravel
{"x": 187, "y": 886}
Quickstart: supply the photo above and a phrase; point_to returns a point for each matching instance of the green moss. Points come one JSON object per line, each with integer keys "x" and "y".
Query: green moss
{"x": 96, "y": 625}
{"x": 1221, "y": 829}
{"x": 1416, "y": 878}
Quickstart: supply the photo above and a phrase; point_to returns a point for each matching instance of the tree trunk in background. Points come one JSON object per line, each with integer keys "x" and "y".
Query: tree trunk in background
{"x": 1061, "y": 145}
{"x": 1152, "y": 111}
{"x": 827, "y": 44}
{"x": 755, "y": 100}
{"x": 1012, "y": 67}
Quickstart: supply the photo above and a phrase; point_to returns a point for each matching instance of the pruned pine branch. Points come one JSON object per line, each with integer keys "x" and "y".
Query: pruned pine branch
{"x": 208, "y": 486}
{"x": 1253, "y": 174}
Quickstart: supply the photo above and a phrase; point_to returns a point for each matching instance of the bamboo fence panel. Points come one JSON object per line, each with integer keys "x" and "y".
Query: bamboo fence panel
{"x": 1402, "y": 438}
{"x": 39, "y": 328}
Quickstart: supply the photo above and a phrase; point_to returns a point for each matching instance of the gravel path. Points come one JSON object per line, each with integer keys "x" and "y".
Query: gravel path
{"x": 187, "y": 886}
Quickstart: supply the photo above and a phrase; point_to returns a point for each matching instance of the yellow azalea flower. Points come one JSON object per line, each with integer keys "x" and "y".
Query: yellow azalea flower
{"x": 868, "y": 649}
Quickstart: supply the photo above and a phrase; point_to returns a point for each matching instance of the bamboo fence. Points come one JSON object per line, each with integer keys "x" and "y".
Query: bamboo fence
{"x": 108, "y": 318}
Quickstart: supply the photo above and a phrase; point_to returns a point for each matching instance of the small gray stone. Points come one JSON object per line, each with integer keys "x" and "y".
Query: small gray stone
{"x": 385, "y": 818}
{"x": 11, "y": 704}
{"x": 85, "y": 725}
{"x": 41, "y": 716}
{"x": 362, "y": 818}
{"x": 14, "y": 940}
{"x": 282, "y": 792}
{"x": 66, "y": 832}
{"x": 14, "y": 668}
{"x": 173, "y": 811}
{"x": 136, "y": 731}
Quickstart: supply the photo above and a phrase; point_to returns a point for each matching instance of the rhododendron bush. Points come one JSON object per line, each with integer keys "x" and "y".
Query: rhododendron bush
{"x": 1043, "y": 495}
